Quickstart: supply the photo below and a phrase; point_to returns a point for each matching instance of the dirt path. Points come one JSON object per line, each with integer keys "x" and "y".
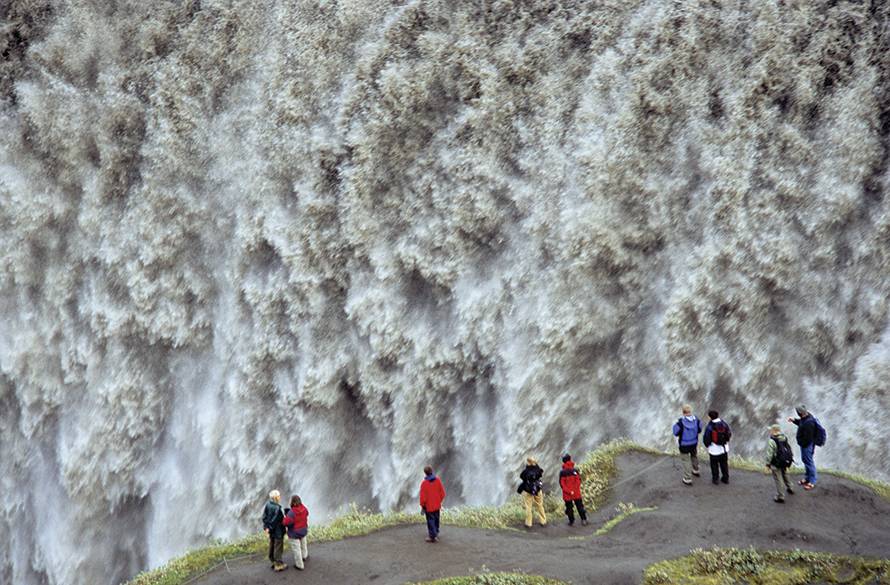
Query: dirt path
{"x": 839, "y": 516}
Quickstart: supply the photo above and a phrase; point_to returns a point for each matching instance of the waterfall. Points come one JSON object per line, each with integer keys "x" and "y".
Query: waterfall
{"x": 315, "y": 245}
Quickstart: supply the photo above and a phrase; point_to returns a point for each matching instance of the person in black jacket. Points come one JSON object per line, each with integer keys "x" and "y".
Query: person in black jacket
{"x": 273, "y": 525}
{"x": 806, "y": 439}
{"x": 532, "y": 491}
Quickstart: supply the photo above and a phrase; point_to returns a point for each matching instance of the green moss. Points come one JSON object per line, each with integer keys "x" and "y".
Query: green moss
{"x": 624, "y": 511}
{"x": 729, "y": 565}
{"x": 496, "y": 579}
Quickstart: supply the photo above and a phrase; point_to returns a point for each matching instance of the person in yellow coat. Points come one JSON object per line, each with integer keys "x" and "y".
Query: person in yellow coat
{"x": 532, "y": 490}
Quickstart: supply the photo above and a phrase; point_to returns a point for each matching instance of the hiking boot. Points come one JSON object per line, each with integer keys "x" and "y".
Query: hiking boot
{"x": 584, "y": 522}
{"x": 779, "y": 500}
{"x": 715, "y": 481}
{"x": 725, "y": 480}
{"x": 571, "y": 522}
{"x": 430, "y": 540}
{"x": 696, "y": 473}
{"x": 687, "y": 481}
{"x": 789, "y": 490}
{"x": 280, "y": 567}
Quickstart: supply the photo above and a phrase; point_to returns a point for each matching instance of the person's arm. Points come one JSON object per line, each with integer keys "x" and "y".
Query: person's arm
{"x": 422, "y": 497}
{"x": 706, "y": 439}
{"x": 795, "y": 421}
{"x": 442, "y": 489}
{"x": 288, "y": 519}
{"x": 770, "y": 452}
{"x": 677, "y": 430}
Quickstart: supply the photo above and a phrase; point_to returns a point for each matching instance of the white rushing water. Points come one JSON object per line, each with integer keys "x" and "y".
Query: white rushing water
{"x": 315, "y": 245}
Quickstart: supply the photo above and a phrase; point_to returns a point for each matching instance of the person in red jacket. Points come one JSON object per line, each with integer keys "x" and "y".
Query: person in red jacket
{"x": 570, "y": 482}
{"x": 296, "y": 520}
{"x": 432, "y": 492}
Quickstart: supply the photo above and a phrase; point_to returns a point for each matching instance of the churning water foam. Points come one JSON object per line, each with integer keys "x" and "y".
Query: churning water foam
{"x": 316, "y": 245}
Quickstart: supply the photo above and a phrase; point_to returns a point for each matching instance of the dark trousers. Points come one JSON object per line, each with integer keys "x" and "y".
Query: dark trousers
{"x": 276, "y": 549}
{"x": 720, "y": 465}
{"x": 570, "y": 512}
{"x": 432, "y": 523}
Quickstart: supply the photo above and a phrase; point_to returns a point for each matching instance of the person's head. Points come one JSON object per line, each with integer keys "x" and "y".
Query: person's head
{"x": 802, "y": 411}
{"x": 295, "y": 501}
{"x": 687, "y": 410}
{"x": 775, "y": 430}
{"x": 713, "y": 414}
{"x": 275, "y": 496}
{"x": 531, "y": 461}
{"x": 566, "y": 458}
{"x": 428, "y": 470}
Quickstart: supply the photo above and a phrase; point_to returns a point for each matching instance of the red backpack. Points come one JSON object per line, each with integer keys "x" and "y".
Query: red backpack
{"x": 720, "y": 433}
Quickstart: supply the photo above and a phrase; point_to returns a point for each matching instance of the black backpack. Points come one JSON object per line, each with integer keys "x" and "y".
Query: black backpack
{"x": 531, "y": 481}
{"x": 784, "y": 456}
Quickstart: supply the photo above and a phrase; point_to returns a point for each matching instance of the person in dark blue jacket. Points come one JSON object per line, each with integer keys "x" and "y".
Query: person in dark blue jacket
{"x": 687, "y": 429}
{"x": 273, "y": 525}
{"x": 806, "y": 438}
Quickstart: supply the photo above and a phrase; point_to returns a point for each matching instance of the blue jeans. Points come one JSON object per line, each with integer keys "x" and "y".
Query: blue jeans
{"x": 806, "y": 455}
{"x": 432, "y": 523}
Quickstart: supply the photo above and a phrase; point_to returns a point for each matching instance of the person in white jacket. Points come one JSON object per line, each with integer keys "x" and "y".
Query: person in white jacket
{"x": 716, "y": 439}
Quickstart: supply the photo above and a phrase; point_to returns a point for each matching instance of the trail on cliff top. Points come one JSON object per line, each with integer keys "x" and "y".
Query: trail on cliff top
{"x": 840, "y": 517}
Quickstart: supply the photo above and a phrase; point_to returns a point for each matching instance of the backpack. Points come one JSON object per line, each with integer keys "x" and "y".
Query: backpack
{"x": 531, "y": 481}
{"x": 720, "y": 433}
{"x": 819, "y": 435}
{"x": 682, "y": 429}
{"x": 784, "y": 456}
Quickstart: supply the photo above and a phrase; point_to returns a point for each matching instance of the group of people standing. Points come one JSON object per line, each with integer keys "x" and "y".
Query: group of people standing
{"x": 295, "y": 522}
{"x": 531, "y": 487}
{"x": 715, "y": 436}
{"x": 716, "y": 440}
{"x": 779, "y": 455}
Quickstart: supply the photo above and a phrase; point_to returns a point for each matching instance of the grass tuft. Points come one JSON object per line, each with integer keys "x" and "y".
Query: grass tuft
{"x": 496, "y": 579}
{"x": 623, "y": 511}
{"x": 717, "y": 566}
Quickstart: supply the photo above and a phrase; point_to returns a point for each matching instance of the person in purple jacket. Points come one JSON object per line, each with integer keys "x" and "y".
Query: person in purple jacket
{"x": 687, "y": 429}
